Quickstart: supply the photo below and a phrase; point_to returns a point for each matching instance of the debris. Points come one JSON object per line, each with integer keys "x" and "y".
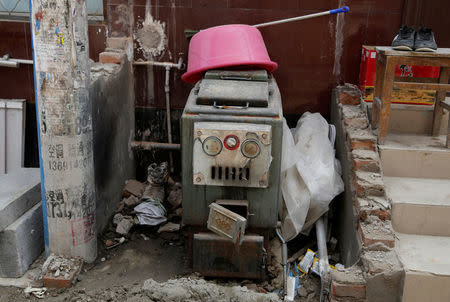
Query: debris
{"x": 37, "y": 292}
{"x": 302, "y": 292}
{"x": 153, "y": 192}
{"x": 307, "y": 261}
{"x": 157, "y": 174}
{"x": 131, "y": 201}
{"x": 292, "y": 286}
{"x": 190, "y": 289}
{"x": 59, "y": 272}
{"x": 103, "y": 259}
{"x": 169, "y": 227}
{"x": 300, "y": 252}
{"x": 133, "y": 187}
{"x": 109, "y": 243}
{"x": 144, "y": 237}
{"x": 113, "y": 243}
{"x": 151, "y": 213}
{"x": 175, "y": 196}
{"x": 124, "y": 223}
{"x": 179, "y": 212}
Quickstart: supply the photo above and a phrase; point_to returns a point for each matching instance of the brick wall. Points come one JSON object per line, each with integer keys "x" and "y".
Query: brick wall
{"x": 377, "y": 273}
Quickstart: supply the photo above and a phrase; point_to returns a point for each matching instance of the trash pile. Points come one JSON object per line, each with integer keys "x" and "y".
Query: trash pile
{"x": 157, "y": 202}
{"x": 304, "y": 276}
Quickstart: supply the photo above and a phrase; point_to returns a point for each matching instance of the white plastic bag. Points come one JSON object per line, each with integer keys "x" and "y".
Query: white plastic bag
{"x": 310, "y": 174}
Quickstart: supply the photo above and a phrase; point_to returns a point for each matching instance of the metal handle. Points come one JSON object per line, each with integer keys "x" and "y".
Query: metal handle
{"x": 231, "y": 107}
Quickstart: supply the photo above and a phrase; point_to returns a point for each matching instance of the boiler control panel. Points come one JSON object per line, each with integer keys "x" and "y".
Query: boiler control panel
{"x": 232, "y": 154}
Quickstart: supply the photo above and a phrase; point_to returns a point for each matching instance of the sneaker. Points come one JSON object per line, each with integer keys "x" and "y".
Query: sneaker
{"x": 424, "y": 40}
{"x": 404, "y": 40}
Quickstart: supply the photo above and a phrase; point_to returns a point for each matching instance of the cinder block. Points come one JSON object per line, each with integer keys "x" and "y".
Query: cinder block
{"x": 21, "y": 243}
{"x": 19, "y": 192}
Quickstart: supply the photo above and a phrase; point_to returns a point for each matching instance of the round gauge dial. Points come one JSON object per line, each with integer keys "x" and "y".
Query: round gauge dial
{"x": 231, "y": 142}
{"x": 250, "y": 148}
{"x": 212, "y": 146}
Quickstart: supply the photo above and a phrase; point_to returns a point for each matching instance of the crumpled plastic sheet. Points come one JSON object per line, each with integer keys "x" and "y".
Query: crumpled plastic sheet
{"x": 310, "y": 174}
{"x": 150, "y": 212}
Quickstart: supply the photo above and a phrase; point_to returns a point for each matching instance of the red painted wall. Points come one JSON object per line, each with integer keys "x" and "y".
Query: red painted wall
{"x": 307, "y": 52}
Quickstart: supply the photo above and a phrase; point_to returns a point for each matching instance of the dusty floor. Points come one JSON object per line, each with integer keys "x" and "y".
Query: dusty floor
{"x": 131, "y": 272}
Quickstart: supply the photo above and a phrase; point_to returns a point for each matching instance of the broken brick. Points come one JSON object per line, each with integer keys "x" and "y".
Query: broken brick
{"x": 367, "y": 183}
{"x": 365, "y": 160}
{"x": 349, "y": 94}
{"x": 111, "y": 57}
{"x": 357, "y": 291}
{"x": 357, "y": 122}
{"x": 381, "y": 231}
{"x": 361, "y": 139}
{"x": 133, "y": 187}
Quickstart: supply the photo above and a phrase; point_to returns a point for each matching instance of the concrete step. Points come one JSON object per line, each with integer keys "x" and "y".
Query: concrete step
{"x": 21, "y": 243}
{"x": 19, "y": 192}
{"x": 426, "y": 263}
{"x": 411, "y": 155}
{"x": 419, "y": 205}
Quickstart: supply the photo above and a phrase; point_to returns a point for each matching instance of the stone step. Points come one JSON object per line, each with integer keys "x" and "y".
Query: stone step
{"x": 19, "y": 191}
{"x": 426, "y": 263}
{"x": 409, "y": 155}
{"x": 419, "y": 205}
{"x": 21, "y": 243}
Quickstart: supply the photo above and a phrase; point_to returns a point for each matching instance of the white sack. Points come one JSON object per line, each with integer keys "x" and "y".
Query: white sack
{"x": 310, "y": 185}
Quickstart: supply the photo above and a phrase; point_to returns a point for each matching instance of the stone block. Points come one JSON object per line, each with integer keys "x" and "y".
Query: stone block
{"x": 21, "y": 243}
{"x": 19, "y": 192}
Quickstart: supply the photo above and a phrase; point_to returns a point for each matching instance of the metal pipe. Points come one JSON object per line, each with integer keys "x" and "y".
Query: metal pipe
{"x": 324, "y": 266}
{"x": 167, "y": 65}
{"x": 169, "y": 121}
{"x": 178, "y": 65}
{"x": 6, "y": 61}
{"x": 6, "y": 139}
{"x": 330, "y": 12}
{"x": 283, "y": 259}
{"x": 155, "y": 145}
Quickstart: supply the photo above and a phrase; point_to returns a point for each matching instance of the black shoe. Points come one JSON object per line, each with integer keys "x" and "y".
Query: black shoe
{"x": 404, "y": 40}
{"x": 424, "y": 40}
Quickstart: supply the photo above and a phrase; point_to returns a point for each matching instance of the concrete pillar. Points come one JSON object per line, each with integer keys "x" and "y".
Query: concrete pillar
{"x": 61, "y": 66}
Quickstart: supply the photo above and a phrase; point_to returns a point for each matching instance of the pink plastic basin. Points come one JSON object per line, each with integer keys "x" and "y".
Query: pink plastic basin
{"x": 226, "y": 46}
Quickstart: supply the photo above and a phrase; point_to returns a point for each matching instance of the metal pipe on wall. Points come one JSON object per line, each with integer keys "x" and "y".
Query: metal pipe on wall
{"x": 61, "y": 79}
{"x": 154, "y": 145}
{"x": 167, "y": 66}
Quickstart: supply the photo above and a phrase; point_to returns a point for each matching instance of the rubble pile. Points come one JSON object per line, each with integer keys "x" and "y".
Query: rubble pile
{"x": 157, "y": 202}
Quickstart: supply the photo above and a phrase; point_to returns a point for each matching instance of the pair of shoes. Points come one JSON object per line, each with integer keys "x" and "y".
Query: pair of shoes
{"x": 409, "y": 39}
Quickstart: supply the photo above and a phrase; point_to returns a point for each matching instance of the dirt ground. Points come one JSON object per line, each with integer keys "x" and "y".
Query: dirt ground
{"x": 156, "y": 269}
